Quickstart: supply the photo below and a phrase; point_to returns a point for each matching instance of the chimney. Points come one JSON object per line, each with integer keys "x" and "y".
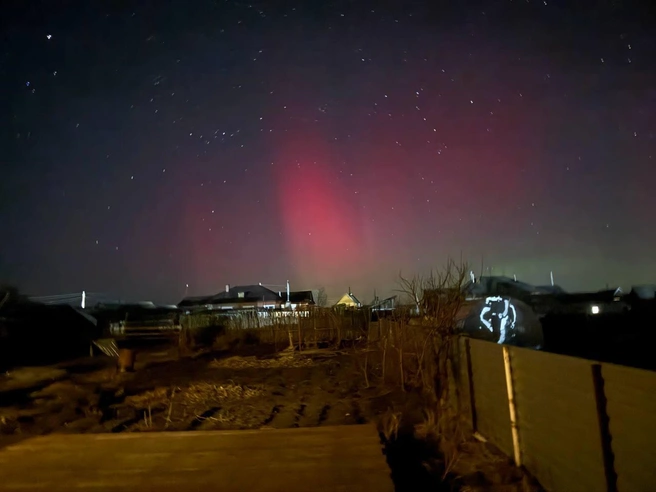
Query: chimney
{"x": 288, "y": 292}
{"x": 227, "y": 287}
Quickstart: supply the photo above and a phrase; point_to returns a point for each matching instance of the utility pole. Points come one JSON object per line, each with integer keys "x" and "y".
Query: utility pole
{"x": 288, "y": 303}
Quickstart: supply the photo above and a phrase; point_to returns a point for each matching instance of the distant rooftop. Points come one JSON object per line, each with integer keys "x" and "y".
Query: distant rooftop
{"x": 249, "y": 293}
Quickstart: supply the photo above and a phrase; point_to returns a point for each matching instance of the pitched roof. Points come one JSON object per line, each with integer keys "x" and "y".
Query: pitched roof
{"x": 380, "y": 302}
{"x": 300, "y": 297}
{"x": 348, "y": 298}
{"x": 251, "y": 293}
{"x": 493, "y": 285}
{"x": 245, "y": 293}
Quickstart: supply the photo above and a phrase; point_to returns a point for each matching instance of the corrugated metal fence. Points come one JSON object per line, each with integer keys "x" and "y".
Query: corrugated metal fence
{"x": 582, "y": 425}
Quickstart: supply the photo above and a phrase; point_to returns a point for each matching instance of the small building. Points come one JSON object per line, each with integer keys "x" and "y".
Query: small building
{"x": 383, "y": 305}
{"x": 382, "y": 308}
{"x": 348, "y": 301}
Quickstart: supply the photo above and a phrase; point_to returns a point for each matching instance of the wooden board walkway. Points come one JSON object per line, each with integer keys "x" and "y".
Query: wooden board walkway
{"x": 341, "y": 458}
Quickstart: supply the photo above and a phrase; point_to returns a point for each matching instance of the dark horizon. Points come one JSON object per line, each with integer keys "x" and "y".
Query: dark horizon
{"x": 365, "y": 297}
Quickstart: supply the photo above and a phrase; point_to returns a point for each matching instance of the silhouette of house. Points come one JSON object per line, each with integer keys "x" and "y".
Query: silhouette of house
{"x": 301, "y": 298}
{"x": 505, "y": 286}
{"x": 249, "y": 297}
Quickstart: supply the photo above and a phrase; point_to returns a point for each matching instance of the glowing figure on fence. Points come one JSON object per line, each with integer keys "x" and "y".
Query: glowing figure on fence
{"x": 499, "y": 313}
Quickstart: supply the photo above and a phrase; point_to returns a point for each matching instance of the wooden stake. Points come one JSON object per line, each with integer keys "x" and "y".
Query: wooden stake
{"x": 511, "y": 406}
{"x": 300, "y": 341}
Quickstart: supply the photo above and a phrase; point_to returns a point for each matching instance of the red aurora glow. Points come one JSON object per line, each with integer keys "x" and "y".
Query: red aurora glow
{"x": 321, "y": 224}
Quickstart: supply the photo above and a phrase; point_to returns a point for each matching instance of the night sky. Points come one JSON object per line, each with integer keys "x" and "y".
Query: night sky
{"x": 151, "y": 145}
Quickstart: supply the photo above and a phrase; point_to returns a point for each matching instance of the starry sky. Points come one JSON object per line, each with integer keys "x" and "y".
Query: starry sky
{"x": 147, "y": 146}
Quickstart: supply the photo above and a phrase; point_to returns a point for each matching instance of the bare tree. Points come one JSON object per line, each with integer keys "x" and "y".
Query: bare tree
{"x": 413, "y": 289}
{"x": 322, "y": 298}
{"x": 437, "y": 297}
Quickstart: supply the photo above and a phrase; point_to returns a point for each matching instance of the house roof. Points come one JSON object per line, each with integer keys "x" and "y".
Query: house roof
{"x": 251, "y": 293}
{"x": 494, "y": 285}
{"x": 380, "y": 302}
{"x": 348, "y": 298}
{"x": 301, "y": 297}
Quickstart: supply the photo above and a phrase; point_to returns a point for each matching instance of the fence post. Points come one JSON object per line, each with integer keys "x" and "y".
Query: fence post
{"x": 470, "y": 382}
{"x": 511, "y": 406}
{"x": 300, "y": 336}
{"x": 604, "y": 429}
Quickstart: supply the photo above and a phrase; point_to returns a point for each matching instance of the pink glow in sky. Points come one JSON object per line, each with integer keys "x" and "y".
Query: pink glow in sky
{"x": 399, "y": 134}
{"x": 321, "y": 223}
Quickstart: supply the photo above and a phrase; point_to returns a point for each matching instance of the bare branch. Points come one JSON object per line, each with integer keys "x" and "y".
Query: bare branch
{"x": 322, "y": 297}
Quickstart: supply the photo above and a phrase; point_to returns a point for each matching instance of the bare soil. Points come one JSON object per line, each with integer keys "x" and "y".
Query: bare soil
{"x": 250, "y": 388}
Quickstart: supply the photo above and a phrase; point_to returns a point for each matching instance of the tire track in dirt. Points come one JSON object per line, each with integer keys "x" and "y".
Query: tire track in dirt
{"x": 342, "y": 412}
{"x": 314, "y": 413}
{"x": 139, "y": 416}
{"x": 288, "y": 416}
{"x": 320, "y": 396}
{"x": 299, "y": 415}
{"x": 357, "y": 413}
{"x": 323, "y": 415}
{"x": 204, "y": 419}
{"x": 272, "y": 415}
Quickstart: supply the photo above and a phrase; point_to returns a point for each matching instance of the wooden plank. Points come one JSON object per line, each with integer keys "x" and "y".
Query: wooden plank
{"x": 340, "y": 458}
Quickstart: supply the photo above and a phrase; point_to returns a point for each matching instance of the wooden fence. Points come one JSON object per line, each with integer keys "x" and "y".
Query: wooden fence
{"x": 284, "y": 327}
{"x": 579, "y": 425}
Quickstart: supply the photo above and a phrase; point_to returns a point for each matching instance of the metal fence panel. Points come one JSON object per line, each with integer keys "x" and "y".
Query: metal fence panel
{"x": 558, "y": 421}
{"x": 490, "y": 394}
{"x": 631, "y": 408}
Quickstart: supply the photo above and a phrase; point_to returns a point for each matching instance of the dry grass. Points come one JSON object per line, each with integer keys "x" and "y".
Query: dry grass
{"x": 148, "y": 398}
{"x": 388, "y": 424}
{"x": 278, "y": 328}
{"x": 208, "y": 393}
{"x": 238, "y": 362}
{"x": 192, "y": 400}
{"x": 194, "y": 395}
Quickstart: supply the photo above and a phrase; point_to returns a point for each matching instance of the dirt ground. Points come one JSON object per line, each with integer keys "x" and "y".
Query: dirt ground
{"x": 250, "y": 389}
